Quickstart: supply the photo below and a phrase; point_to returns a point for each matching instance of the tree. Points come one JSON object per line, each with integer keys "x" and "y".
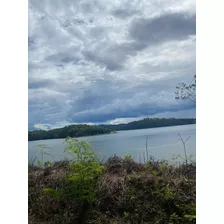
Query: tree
{"x": 186, "y": 91}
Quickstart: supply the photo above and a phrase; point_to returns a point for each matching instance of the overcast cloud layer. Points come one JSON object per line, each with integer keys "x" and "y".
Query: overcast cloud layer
{"x": 104, "y": 61}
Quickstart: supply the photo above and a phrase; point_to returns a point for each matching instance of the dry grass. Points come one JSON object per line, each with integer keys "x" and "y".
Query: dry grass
{"x": 126, "y": 192}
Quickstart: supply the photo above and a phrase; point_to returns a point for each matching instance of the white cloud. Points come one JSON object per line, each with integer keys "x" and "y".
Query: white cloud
{"x": 42, "y": 126}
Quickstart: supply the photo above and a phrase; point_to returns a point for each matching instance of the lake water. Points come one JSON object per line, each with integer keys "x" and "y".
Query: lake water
{"x": 163, "y": 143}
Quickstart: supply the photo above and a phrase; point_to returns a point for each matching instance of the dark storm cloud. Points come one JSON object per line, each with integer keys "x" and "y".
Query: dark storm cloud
{"x": 175, "y": 26}
{"x": 111, "y": 113}
{"x": 106, "y": 103}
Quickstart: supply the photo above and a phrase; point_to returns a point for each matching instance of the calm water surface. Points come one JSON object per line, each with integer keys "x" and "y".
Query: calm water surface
{"x": 163, "y": 143}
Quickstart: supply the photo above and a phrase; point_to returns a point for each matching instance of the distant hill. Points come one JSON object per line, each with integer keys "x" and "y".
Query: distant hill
{"x": 71, "y": 130}
{"x": 151, "y": 123}
{"x": 87, "y": 130}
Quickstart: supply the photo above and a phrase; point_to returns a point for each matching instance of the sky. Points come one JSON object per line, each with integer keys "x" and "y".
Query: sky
{"x": 108, "y": 62}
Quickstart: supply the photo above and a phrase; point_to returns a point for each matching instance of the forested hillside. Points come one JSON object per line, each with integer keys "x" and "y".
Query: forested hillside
{"x": 71, "y": 130}
{"x": 151, "y": 123}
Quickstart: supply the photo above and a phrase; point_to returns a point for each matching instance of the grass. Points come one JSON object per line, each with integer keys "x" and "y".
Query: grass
{"x": 126, "y": 192}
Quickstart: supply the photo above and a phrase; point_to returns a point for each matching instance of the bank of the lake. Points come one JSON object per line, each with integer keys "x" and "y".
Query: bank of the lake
{"x": 80, "y": 130}
{"x": 162, "y": 143}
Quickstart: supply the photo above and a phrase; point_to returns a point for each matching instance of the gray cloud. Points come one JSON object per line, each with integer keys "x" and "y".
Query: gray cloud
{"x": 30, "y": 42}
{"x": 175, "y": 26}
{"x": 44, "y": 83}
{"x": 114, "y": 56}
{"x": 97, "y": 62}
{"x": 124, "y": 13}
{"x": 63, "y": 58}
{"x": 138, "y": 105}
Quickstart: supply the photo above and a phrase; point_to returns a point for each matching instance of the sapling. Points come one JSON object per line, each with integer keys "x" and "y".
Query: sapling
{"x": 41, "y": 151}
{"x": 186, "y": 157}
{"x": 81, "y": 181}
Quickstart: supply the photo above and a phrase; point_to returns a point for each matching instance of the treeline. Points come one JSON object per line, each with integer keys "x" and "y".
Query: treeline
{"x": 71, "y": 130}
{"x": 87, "y": 130}
{"x": 151, "y": 123}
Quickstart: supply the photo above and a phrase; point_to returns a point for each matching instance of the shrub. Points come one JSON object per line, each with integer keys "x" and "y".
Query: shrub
{"x": 80, "y": 183}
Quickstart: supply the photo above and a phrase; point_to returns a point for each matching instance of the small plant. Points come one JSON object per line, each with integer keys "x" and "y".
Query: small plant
{"x": 126, "y": 214}
{"x": 146, "y": 148}
{"x": 186, "y": 158}
{"x": 168, "y": 194}
{"x": 155, "y": 173}
{"x": 48, "y": 164}
{"x": 174, "y": 219}
{"x": 41, "y": 151}
{"x": 127, "y": 157}
{"x": 163, "y": 166}
{"x": 190, "y": 218}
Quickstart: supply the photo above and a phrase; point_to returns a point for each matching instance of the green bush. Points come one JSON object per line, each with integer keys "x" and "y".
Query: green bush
{"x": 84, "y": 169}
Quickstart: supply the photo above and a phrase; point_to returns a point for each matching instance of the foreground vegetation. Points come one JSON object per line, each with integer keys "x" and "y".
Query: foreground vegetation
{"x": 86, "y": 130}
{"x": 119, "y": 191}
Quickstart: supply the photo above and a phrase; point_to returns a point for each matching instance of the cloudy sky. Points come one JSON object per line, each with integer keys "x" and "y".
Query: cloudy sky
{"x": 100, "y": 61}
